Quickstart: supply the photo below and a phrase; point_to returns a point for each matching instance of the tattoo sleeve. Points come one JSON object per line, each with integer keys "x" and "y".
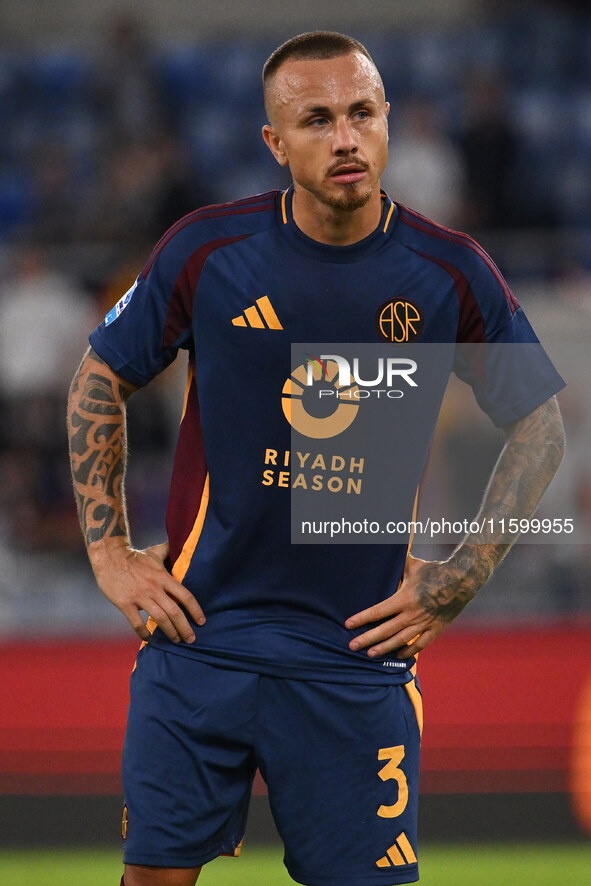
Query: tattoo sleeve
{"x": 97, "y": 436}
{"x": 532, "y": 453}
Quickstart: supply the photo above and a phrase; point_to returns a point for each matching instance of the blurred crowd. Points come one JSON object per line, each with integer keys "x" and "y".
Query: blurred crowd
{"x": 490, "y": 132}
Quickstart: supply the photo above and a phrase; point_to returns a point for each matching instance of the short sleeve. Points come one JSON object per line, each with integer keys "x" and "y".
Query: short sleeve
{"x": 141, "y": 335}
{"x": 509, "y": 372}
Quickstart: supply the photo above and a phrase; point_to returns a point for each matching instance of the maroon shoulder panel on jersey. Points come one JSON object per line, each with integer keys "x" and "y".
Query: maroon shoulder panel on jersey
{"x": 180, "y": 308}
{"x": 420, "y": 223}
{"x": 470, "y": 321}
{"x": 260, "y": 203}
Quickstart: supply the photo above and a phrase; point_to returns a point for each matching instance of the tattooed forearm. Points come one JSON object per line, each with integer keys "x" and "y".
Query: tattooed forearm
{"x": 96, "y": 429}
{"x": 433, "y": 592}
{"x": 530, "y": 458}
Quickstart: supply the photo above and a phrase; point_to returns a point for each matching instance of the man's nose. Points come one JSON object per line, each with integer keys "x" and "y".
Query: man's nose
{"x": 344, "y": 137}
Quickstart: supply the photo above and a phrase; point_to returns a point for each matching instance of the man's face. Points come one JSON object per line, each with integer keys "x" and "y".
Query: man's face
{"x": 328, "y": 124}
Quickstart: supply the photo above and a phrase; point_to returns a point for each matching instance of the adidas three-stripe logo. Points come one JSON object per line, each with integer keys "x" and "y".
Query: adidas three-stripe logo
{"x": 401, "y": 852}
{"x": 266, "y": 319}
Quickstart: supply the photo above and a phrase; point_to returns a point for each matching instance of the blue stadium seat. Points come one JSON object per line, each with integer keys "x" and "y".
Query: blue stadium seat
{"x": 57, "y": 79}
{"x": 15, "y": 201}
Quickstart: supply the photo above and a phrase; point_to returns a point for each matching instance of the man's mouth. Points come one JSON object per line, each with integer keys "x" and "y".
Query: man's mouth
{"x": 348, "y": 174}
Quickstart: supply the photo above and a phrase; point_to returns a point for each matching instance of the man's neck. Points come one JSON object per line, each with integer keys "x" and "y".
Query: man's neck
{"x": 335, "y": 227}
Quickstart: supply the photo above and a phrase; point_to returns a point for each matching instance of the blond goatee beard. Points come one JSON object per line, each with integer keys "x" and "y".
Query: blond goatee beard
{"x": 350, "y": 201}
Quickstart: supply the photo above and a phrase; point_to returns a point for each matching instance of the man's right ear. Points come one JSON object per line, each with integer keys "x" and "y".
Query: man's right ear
{"x": 275, "y": 144}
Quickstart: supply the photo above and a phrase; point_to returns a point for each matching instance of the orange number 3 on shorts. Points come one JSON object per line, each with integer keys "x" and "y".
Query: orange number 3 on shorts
{"x": 392, "y": 770}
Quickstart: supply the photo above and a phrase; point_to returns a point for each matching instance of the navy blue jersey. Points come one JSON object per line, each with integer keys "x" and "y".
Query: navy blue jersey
{"x": 235, "y": 285}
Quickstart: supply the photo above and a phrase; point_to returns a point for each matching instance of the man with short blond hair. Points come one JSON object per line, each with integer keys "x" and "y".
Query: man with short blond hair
{"x": 297, "y": 660}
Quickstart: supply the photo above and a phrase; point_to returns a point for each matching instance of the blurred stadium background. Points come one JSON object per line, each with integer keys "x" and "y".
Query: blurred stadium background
{"x": 116, "y": 120}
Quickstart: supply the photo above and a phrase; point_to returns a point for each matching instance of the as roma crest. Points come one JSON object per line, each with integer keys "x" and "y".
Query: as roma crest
{"x": 399, "y": 321}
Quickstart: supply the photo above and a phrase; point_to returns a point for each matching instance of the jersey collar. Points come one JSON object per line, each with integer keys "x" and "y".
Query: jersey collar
{"x": 326, "y": 252}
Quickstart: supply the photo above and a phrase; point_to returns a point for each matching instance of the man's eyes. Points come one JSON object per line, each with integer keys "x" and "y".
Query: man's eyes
{"x": 323, "y": 121}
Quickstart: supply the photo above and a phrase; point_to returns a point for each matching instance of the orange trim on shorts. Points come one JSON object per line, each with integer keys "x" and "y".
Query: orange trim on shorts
{"x": 234, "y": 854}
{"x": 417, "y": 702}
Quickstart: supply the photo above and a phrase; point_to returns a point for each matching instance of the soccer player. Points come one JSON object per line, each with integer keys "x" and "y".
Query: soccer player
{"x": 298, "y": 660}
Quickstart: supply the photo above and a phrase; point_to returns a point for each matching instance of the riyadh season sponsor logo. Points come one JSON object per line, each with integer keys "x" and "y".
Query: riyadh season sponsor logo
{"x": 322, "y": 396}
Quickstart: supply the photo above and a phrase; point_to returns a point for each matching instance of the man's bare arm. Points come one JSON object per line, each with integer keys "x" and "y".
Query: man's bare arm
{"x": 96, "y": 429}
{"x": 433, "y": 593}
{"x": 132, "y": 580}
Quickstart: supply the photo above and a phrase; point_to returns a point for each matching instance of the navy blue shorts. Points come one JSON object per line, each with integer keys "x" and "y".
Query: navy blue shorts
{"x": 341, "y": 763}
